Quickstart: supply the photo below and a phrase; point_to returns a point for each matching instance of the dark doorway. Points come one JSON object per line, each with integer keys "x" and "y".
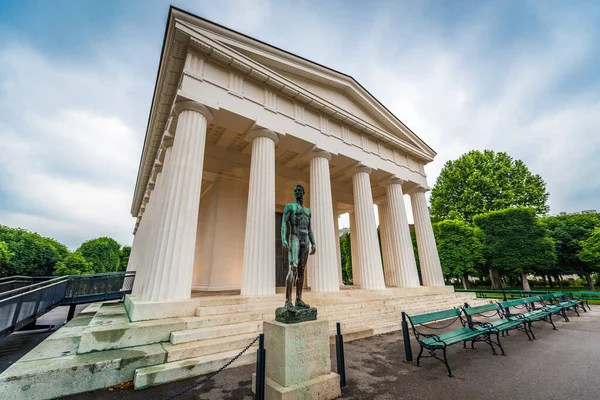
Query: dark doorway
{"x": 281, "y": 257}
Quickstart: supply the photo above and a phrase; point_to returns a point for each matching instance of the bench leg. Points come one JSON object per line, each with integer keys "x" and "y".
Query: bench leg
{"x": 499, "y": 344}
{"x": 526, "y": 331}
{"x": 447, "y": 366}
{"x": 577, "y": 311}
{"x": 552, "y": 322}
{"x": 488, "y": 340}
{"x": 531, "y": 330}
{"x": 419, "y": 357}
{"x": 564, "y": 314}
{"x": 588, "y": 304}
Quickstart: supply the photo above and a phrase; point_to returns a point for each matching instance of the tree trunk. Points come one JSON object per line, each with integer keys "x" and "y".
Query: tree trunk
{"x": 525, "y": 282}
{"x": 590, "y": 282}
{"x": 465, "y": 282}
{"x": 550, "y": 281}
{"x": 557, "y": 279}
{"x": 495, "y": 279}
{"x": 544, "y": 279}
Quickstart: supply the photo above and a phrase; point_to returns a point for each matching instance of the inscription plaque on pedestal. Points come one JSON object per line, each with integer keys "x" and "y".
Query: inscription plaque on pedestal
{"x": 298, "y": 364}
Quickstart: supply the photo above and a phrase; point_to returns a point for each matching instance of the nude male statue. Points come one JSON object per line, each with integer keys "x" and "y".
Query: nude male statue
{"x": 301, "y": 234}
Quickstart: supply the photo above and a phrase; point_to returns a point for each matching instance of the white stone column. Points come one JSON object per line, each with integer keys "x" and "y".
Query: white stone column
{"x": 336, "y": 233}
{"x": 354, "y": 251}
{"x": 370, "y": 259}
{"x": 172, "y": 263}
{"x": 324, "y": 260}
{"x": 400, "y": 241}
{"x": 390, "y": 272}
{"x": 431, "y": 269}
{"x": 258, "y": 270}
{"x": 151, "y": 220}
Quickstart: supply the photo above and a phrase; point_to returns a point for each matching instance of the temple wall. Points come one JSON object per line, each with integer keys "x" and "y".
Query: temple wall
{"x": 220, "y": 236}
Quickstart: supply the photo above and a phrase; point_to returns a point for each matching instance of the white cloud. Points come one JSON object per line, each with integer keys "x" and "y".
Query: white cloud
{"x": 69, "y": 148}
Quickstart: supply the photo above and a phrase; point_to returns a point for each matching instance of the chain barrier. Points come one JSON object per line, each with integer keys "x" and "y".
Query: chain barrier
{"x": 212, "y": 374}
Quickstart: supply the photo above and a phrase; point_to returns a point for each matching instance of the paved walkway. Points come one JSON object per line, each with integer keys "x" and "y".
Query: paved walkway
{"x": 560, "y": 364}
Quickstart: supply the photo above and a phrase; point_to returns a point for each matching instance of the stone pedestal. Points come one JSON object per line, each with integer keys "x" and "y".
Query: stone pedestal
{"x": 298, "y": 364}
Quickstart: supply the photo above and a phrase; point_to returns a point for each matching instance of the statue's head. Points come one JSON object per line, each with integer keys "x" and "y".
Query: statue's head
{"x": 298, "y": 191}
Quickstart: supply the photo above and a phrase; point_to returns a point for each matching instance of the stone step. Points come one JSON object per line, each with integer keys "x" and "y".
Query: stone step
{"x": 211, "y": 301}
{"x": 199, "y": 348}
{"x": 237, "y": 308}
{"x": 178, "y": 370}
{"x": 192, "y": 335}
{"x": 227, "y": 319}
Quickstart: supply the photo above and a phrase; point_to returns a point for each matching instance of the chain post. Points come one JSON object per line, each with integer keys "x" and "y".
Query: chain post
{"x": 260, "y": 368}
{"x": 339, "y": 349}
{"x": 406, "y": 337}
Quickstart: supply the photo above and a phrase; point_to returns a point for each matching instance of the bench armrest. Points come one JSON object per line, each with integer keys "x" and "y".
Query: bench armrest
{"x": 486, "y": 325}
{"x": 432, "y": 335}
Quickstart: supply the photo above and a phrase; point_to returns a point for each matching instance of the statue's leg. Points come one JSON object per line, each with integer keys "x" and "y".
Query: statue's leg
{"x": 302, "y": 259}
{"x": 292, "y": 274}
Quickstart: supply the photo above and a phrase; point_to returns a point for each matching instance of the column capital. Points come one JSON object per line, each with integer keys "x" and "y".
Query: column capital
{"x": 393, "y": 181}
{"x": 362, "y": 168}
{"x": 262, "y": 132}
{"x": 319, "y": 153}
{"x": 190, "y": 105}
{"x": 419, "y": 189}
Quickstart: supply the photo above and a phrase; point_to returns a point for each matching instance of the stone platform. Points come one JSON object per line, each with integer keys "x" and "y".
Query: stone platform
{"x": 101, "y": 347}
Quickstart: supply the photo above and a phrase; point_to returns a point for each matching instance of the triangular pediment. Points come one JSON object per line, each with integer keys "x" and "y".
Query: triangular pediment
{"x": 334, "y": 87}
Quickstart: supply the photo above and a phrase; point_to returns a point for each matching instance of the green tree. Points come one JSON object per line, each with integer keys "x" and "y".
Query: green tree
{"x": 346, "y": 254}
{"x": 33, "y": 255}
{"x": 5, "y": 257}
{"x": 103, "y": 253}
{"x": 73, "y": 264}
{"x": 124, "y": 257}
{"x": 479, "y": 182}
{"x": 460, "y": 249}
{"x": 569, "y": 231}
{"x": 516, "y": 241}
{"x": 590, "y": 254}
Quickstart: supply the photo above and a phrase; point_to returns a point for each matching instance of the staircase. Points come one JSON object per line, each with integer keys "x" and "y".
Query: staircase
{"x": 224, "y": 325}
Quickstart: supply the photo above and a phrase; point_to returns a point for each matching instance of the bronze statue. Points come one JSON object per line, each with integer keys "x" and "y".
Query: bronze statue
{"x": 301, "y": 234}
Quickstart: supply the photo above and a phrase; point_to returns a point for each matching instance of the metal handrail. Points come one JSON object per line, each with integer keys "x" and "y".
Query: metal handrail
{"x": 22, "y": 306}
{"x": 29, "y": 288}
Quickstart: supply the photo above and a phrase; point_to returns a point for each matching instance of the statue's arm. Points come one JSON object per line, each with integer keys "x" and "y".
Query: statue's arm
{"x": 311, "y": 237}
{"x": 284, "y": 222}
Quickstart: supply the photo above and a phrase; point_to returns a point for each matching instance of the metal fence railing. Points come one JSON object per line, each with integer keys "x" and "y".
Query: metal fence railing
{"x": 507, "y": 294}
{"x": 14, "y": 282}
{"x": 23, "y": 305}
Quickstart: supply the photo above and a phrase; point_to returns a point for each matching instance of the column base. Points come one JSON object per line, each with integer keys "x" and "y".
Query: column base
{"x": 140, "y": 310}
{"x": 324, "y": 387}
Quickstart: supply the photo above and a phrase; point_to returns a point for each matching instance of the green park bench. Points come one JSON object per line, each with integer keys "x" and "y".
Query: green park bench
{"x": 499, "y": 324}
{"x": 529, "y": 312}
{"x": 561, "y": 302}
{"x": 434, "y": 342}
{"x": 584, "y": 298}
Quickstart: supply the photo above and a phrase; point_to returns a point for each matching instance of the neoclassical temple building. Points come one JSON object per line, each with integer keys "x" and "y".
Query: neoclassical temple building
{"x": 235, "y": 123}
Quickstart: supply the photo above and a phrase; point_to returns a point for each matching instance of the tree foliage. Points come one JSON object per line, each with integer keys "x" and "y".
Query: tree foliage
{"x": 459, "y": 247}
{"x": 590, "y": 249}
{"x": 5, "y": 257}
{"x": 569, "y": 231}
{"x": 515, "y": 241}
{"x": 479, "y": 182}
{"x": 124, "y": 257}
{"x": 73, "y": 264}
{"x": 32, "y": 254}
{"x": 103, "y": 254}
{"x": 346, "y": 254}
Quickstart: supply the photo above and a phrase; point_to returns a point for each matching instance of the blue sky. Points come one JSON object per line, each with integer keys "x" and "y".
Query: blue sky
{"x": 76, "y": 81}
